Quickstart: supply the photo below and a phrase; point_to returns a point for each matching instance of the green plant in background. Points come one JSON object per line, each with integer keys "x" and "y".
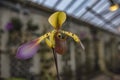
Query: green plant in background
{"x": 31, "y": 26}
{"x": 1, "y": 31}
{"x": 15, "y": 24}
{"x": 16, "y": 78}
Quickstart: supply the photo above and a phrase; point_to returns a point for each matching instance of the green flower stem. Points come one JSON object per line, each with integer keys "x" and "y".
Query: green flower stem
{"x": 56, "y": 64}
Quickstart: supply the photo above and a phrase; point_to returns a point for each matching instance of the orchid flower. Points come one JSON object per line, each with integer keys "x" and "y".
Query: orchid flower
{"x": 51, "y": 38}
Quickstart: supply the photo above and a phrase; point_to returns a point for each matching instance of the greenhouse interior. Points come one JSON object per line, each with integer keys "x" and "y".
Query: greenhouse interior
{"x": 59, "y": 39}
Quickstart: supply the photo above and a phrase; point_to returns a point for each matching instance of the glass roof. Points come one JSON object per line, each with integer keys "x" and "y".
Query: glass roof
{"x": 95, "y": 12}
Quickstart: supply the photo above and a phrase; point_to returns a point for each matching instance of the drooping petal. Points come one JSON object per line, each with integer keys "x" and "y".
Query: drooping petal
{"x": 27, "y": 50}
{"x": 57, "y": 19}
{"x": 74, "y": 36}
{"x": 82, "y": 46}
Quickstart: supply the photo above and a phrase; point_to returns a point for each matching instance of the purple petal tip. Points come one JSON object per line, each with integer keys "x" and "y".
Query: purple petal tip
{"x": 27, "y": 50}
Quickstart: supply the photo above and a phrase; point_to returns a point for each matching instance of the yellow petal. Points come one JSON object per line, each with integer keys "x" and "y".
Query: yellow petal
{"x": 43, "y": 37}
{"x": 52, "y": 38}
{"x": 75, "y": 37}
{"x": 49, "y": 43}
{"x": 57, "y": 19}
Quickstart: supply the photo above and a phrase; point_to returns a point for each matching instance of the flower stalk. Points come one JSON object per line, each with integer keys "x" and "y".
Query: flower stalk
{"x": 56, "y": 63}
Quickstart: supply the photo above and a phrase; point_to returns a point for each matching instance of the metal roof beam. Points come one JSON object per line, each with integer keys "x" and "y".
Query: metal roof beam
{"x": 101, "y": 17}
{"x": 104, "y": 12}
{"x": 57, "y": 3}
{"x": 118, "y": 24}
{"x": 91, "y": 7}
{"x": 115, "y": 17}
{"x": 70, "y": 4}
{"x": 79, "y": 7}
{"x": 100, "y": 4}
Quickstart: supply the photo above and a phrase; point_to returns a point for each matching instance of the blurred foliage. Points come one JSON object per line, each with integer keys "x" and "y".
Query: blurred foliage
{"x": 17, "y": 24}
{"x": 15, "y": 78}
{"x": 1, "y": 31}
{"x": 31, "y": 26}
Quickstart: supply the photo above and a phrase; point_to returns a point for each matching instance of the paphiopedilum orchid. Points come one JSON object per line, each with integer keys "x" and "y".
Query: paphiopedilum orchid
{"x": 52, "y": 38}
